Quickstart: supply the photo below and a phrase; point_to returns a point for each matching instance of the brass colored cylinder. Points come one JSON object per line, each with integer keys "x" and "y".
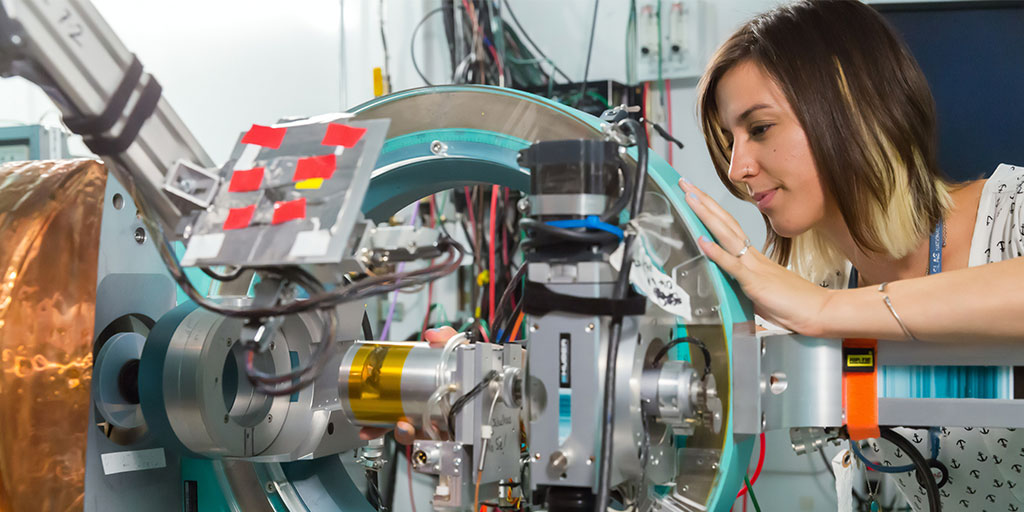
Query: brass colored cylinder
{"x": 389, "y": 382}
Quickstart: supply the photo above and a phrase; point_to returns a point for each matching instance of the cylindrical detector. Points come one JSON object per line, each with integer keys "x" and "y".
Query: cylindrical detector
{"x": 381, "y": 383}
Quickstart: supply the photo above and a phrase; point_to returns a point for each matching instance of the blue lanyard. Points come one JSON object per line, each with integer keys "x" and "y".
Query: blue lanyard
{"x": 934, "y": 256}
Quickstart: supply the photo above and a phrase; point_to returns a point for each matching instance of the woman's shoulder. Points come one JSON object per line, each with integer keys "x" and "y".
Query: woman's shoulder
{"x": 999, "y": 228}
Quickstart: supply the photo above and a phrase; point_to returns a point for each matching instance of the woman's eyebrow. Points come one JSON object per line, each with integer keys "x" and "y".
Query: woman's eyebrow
{"x": 746, "y": 113}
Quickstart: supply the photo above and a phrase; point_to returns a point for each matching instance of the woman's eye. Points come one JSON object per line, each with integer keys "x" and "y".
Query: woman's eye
{"x": 759, "y": 130}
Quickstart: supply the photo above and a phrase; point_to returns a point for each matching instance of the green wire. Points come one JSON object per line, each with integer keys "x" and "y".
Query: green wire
{"x": 750, "y": 491}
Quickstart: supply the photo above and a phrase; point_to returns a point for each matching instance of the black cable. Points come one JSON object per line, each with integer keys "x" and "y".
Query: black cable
{"x": 448, "y": 7}
{"x": 686, "y": 339}
{"x": 526, "y": 35}
{"x": 506, "y": 295}
{"x": 621, "y": 287}
{"x": 464, "y": 399}
{"x": 231, "y": 276}
{"x": 372, "y": 489}
{"x": 546, "y": 234}
{"x": 590, "y": 49}
{"x": 931, "y": 488}
{"x": 412, "y": 44}
{"x": 664, "y": 133}
{"x": 611, "y": 215}
{"x": 389, "y": 440}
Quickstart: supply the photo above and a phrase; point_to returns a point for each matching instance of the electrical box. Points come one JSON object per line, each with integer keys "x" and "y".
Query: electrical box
{"x": 32, "y": 142}
{"x": 668, "y": 40}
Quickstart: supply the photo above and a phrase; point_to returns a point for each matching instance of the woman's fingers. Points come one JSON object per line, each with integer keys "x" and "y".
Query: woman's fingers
{"x": 367, "y": 433}
{"x": 405, "y": 433}
{"x": 438, "y": 337}
{"x": 730, "y": 239}
{"x": 728, "y": 262}
{"x": 712, "y": 207}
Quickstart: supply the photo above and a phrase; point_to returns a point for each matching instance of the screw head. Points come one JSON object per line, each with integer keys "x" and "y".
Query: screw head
{"x": 438, "y": 148}
{"x": 140, "y": 236}
{"x": 270, "y": 486}
{"x": 270, "y": 417}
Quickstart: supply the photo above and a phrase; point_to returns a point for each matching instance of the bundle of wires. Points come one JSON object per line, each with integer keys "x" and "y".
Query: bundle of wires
{"x": 496, "y": 53}
{"x": 320, "y": 300}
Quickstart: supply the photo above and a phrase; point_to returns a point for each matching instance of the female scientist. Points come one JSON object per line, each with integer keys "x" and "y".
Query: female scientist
{"x": 817, "y": 113}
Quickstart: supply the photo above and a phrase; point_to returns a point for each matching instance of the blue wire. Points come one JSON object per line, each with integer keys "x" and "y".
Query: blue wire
{"x": 876, "y": 467}
{"x": 933, "y": 433}
{"x": 590, "y": 222}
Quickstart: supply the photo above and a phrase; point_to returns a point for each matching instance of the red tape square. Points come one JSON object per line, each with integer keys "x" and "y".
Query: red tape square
{"x": 285, "y": 211}
{"x": 246, "y": 180}
{"x": 264, "y": 136}
{"x": 342, "y": 135}
{"x": 315, "y": 167}
{"x": 239, "y": 218}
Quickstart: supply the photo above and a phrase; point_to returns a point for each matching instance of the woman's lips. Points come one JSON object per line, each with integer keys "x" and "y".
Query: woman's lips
{"x": 764, "y": 198}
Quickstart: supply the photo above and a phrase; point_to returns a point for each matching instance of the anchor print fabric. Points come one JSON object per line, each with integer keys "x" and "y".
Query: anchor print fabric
{"x": 986, "y": 465}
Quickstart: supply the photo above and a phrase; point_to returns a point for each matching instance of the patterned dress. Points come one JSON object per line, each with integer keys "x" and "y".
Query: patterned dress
{"x": 986, "y": 465}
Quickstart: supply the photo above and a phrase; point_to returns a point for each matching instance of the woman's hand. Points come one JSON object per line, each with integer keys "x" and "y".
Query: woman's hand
{"x": 405, "y": 432}
{"x": 780, "y": 296}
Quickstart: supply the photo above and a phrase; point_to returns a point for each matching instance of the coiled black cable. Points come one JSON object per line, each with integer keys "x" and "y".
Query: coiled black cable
{"x": 931, "y": 488}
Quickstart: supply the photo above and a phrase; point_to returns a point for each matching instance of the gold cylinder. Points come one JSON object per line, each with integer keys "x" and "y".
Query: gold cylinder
{"x": 390, "y": 382}
{"x": 49, "y": 246}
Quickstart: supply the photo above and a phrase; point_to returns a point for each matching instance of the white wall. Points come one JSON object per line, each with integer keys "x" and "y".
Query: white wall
{"x": 223, "y": 65}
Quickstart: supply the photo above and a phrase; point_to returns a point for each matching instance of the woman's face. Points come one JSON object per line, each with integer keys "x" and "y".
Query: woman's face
{"x": 770, "y": 154}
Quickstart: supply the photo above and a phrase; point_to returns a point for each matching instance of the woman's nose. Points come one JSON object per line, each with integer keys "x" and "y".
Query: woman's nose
{"x": 741, "y": 165}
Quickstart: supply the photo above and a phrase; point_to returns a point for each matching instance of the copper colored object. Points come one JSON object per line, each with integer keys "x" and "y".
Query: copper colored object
{"x": 49, "y": 244}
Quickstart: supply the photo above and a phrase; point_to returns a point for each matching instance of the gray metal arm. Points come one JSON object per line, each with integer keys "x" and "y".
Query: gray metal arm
{"x": 68, "y": 49}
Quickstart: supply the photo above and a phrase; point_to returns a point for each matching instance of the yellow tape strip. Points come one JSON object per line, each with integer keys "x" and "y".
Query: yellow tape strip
{"x": 310, "y": 184}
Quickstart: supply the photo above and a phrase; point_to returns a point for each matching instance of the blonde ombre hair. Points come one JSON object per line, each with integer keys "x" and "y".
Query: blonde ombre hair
{"x": 869, "y": 118}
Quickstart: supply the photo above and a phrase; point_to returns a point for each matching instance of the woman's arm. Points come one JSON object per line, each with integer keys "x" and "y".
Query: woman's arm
{"x": 978, "y": 303}
{"x": 984, "y": 303}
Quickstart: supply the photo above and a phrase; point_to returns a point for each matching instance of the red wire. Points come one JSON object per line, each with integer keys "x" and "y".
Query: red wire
{"x": 668, "y": 120}
{"x": 757, "y": 470}
{"x": 504, "y": 236}
{"x": 495, "y": 190}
